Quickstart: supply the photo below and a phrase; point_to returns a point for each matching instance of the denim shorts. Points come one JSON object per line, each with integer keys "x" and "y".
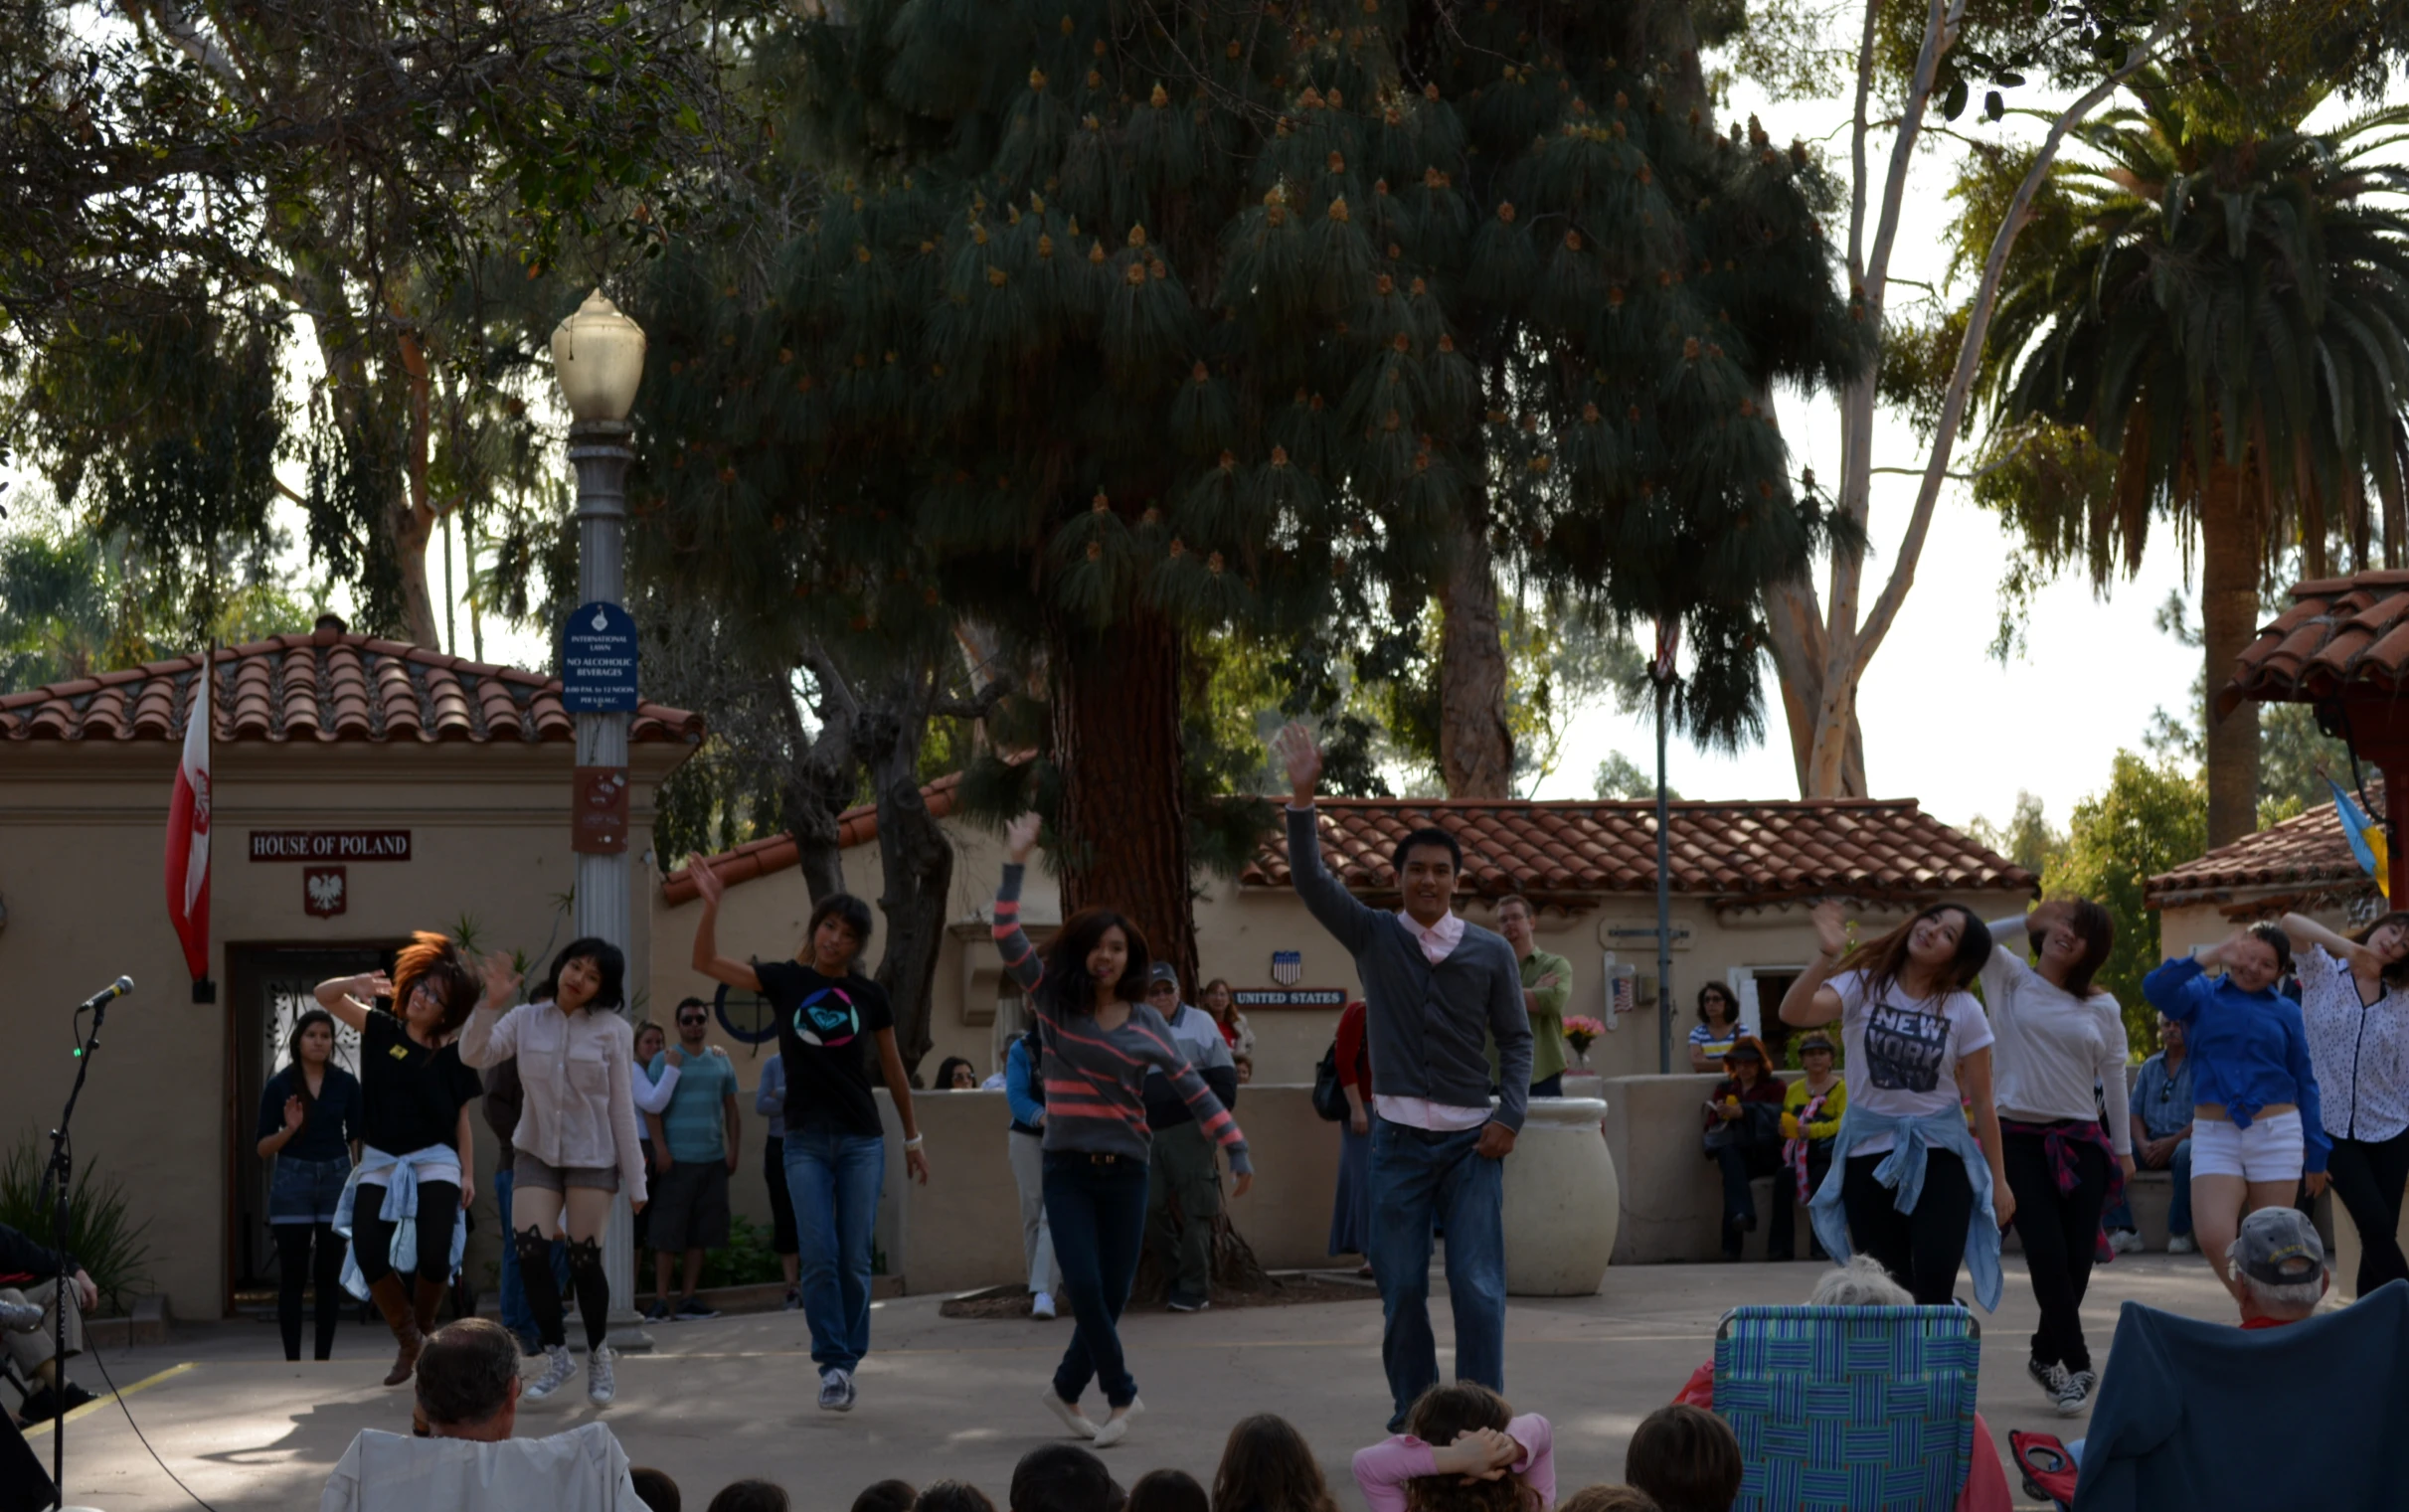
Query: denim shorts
{"x": 306, "y": 1191}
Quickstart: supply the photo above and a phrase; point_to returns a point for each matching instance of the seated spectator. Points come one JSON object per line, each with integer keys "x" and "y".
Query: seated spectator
{"x": 952, "y": 1496}
{"x": 1463, "y": 1451}
{"x": 1267, "y": 1466}
{"x": 1744, "y": 1136}
{"x": 955, "y": 1074}
{"x": 1608, "y": 1499}
{"x": 2161, "y": 1141}
{"x": 886, "y": 1496}
{"x": 1245, "y": 1064}
{"x": 2279, "y": 1267}
{"x": 29, "y": 1275}
{"x": 660, "y": 1493}
{"x": 1167, "y": 1491}
{"x": 1685, "y": 1458}
{"x": 1862, "y": 1282}
{"x": 468, "y": 1392}
{"x": 1812, "y": 1109}
{"x": 763, "y": 1496}
{"x": 1063, "y": 1477}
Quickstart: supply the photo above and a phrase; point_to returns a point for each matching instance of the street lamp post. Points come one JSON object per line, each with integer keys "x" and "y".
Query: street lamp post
{"x": 597, "y": 358}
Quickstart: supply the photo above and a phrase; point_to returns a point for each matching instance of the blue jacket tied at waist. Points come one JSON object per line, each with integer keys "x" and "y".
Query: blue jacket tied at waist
{"x": 1902, "y": 1170}
{"x": 400, "y": 1209}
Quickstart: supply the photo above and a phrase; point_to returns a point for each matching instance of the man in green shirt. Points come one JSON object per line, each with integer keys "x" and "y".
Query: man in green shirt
{"x": 1547, "y": 985}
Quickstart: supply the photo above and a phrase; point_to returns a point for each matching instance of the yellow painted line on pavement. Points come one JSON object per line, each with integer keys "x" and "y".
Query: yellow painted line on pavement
{"x": 98, "y": 1403}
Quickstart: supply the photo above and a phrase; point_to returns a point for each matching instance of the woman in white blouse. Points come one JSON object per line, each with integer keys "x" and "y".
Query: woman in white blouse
{"x": 575, "y": 1142}
{"x": 2056, "y": 1039}
{"x": 2354, "y": 1004}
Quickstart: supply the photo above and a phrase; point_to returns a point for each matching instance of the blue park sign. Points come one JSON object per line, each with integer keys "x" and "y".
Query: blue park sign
{"x": 597, "y": 661}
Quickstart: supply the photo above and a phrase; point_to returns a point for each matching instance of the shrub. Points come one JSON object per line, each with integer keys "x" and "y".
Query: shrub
{"x": 102, "y": 1234}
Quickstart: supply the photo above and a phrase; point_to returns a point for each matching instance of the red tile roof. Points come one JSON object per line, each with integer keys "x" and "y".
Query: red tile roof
{"x": 2338, "y": 634}
{"x": 1734, "y": 851}
{"x": 2307, "y": 852}
{"x": 329, "y": 685}
{"x": 775, "y": 853}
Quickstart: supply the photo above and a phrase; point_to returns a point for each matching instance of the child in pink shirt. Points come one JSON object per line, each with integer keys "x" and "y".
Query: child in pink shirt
{"x": 1463, "y": 1451}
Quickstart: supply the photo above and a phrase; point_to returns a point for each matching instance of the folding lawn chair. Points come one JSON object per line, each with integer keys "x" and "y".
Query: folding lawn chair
{"x": 1849, "y": 1408}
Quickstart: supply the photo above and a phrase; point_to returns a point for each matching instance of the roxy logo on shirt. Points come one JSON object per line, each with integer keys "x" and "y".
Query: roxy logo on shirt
{"x": 827, "y": 1019}
{"x": 1904, "y": 1049}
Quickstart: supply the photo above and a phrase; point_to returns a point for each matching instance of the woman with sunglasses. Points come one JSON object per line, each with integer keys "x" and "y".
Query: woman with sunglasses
{"x": 1718, "y": 1026}
{"x": 418, "y": 1159}
{"x": 1099, "y": 1041}
{"x": 575, "y": 1144}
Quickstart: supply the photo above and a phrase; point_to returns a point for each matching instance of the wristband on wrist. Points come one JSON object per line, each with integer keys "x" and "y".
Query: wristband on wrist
{"x": 916, "y": 1141}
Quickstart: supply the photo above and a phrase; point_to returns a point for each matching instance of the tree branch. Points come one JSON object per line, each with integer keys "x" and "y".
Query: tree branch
{"x": 977, "y": 707}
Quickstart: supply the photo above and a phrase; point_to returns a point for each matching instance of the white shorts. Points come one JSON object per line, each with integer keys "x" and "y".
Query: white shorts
{"x": 2267, "y": 1150}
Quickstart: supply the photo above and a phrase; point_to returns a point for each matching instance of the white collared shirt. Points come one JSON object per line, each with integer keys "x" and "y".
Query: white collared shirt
{"x": 1439, "y": 940}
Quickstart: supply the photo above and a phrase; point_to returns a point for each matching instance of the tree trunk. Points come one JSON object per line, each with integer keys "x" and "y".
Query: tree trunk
{"x": 914, "y": 855}
{"x": 1123, "y": 819}
{"x": 1475, "y": 748}
{"x": 1798, "y": 646}
{"x": 821, "y": 779}
{"x": 2229, "y": 610}
{"x": 412, "y": 518}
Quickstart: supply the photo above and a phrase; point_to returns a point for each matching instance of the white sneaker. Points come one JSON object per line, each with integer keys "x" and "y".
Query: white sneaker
{"x": 1072, "y": 1418}
{"x": 835, "y": 1391}
{"x": 2181, "y": 1244}
{"x": 1116, "y": 1428}
{"x": 601, "y": 1383}
{"x": 558, "y": 1368}
{"x": 1043, "y": 1305}
{"x": 2125, "y": 1242}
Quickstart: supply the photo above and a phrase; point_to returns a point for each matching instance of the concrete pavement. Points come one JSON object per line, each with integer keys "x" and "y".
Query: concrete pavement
{"x": 944, "y": 1397}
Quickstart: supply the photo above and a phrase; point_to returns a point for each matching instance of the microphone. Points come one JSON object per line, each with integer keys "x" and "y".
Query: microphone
{"x": 118, "y": 988}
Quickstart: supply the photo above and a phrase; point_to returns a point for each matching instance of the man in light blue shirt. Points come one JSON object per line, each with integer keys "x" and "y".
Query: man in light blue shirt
{"x": 2161, "y": 1140}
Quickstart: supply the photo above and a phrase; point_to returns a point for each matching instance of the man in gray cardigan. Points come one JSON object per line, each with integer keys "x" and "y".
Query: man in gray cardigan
{"x": 1436, "y": 988}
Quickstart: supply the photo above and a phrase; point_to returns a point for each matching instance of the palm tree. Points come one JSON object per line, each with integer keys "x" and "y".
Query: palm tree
{"x": 2225, "y": 310}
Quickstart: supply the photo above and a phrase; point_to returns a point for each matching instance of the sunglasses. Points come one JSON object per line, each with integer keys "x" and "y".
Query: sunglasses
{"x": 696, "y": 1018}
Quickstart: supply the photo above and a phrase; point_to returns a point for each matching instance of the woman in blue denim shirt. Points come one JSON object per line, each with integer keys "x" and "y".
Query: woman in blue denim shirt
{"x": 309, "y": 1125}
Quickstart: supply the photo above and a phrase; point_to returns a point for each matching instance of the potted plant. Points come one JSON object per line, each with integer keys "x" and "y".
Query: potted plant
{"x": 1581, "y": 1032}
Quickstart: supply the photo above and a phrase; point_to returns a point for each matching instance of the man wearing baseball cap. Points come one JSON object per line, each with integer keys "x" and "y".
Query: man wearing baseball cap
{"x": 1183, "y": 1155}
{"x": 2279, "y": 1267}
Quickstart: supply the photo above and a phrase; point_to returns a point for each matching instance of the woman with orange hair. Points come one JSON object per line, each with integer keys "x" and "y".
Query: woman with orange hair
{"x": 417, "y": 1164}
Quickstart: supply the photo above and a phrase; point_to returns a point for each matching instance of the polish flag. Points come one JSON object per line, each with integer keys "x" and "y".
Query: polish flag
{"x": 188, "y": 835}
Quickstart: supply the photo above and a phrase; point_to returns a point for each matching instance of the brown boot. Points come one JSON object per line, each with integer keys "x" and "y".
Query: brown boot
{"x": 391, "y": 1303}
{"x": 431, "y": 1296}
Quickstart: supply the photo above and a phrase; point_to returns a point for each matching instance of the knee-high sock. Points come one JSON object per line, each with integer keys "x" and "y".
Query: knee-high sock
{"x": 542, "y": 1290}
{"x": 593, "y": 1290}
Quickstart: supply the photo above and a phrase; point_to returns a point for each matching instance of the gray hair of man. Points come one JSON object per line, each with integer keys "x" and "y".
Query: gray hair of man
{"x": 1859, "y": 1282}
{"x": 2291, "y": 1301}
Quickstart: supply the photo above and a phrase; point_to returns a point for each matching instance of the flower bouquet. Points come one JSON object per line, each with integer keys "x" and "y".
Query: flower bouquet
{"x": 1581, "y": 1032}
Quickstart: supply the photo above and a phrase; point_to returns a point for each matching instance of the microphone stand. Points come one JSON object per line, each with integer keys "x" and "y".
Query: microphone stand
{"x": 60, "y": 1168}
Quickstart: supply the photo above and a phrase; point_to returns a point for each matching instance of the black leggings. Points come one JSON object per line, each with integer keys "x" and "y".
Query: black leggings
{"x": 2367, "y": 1180}
{"x": 372, "y": 1236}
{"x": 2060, "y": 1231}
{"x": 293, "y": 1272}
{"x": 1921, "y": 1250}
{"x": 585, "y": 1281}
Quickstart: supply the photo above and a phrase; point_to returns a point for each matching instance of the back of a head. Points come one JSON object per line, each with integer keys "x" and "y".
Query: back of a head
{"x": 751, "y": 1496}
{"x": 466, "y": 1372}
{"x": 1063, "y": 1477}
{"x": 1267, "y": 1466}
{"x": 952, "y": 1496}
{"x": 1167, "y": 1491}
{"x": 1440, "y": 1417}
{"x": 1686, "y": 1458}
{"x": 886, "y": 1496}
{"x": 2279, "y": 1258}
{"x": 655, "y": 1490}
{"x": 1859, "y": 1282}
{"x": 1603, "y": 1498}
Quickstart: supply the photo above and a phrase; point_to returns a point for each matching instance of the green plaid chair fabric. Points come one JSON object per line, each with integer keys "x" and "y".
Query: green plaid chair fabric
{"x": 1848, "y": 1409}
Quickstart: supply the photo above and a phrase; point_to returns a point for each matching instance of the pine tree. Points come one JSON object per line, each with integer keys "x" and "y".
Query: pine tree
{"x": 1120, "y": 323}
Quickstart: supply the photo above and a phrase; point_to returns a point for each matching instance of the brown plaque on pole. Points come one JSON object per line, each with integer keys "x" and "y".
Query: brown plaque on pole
{"x": 599, "y": 822}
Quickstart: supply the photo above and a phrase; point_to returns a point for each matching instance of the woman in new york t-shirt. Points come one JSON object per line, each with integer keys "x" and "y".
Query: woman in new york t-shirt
{"x": 1916, "y": 1048}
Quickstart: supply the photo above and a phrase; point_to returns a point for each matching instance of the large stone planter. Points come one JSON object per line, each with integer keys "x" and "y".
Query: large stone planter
{"x": 1562, "y": 1201}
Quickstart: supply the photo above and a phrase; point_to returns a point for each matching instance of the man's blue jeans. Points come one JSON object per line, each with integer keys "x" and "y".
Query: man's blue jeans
{"x": 1095, "y": 1210}
{"x": 836, "y": 1180}
{"x": 515, "y": 1314}
{"x": 1421, "y": 1177}
{"x": 2178, "y": 1209}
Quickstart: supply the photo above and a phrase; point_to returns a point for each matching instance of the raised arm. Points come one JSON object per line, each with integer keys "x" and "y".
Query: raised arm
{"x": 2177, "y": 989}
{"x": 707, "y": 957}
{"x": 2304, "y": 932}
{"x": 1011, "y": 942}
{"x": 1349, "y": 921}
{"x": 492, "y": 1031}
{"x": 351, "y": 999}
{"x": 1809, "y": 1001}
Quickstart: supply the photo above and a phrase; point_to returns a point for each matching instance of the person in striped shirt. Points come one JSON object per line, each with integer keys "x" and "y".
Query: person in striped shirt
{"x": 1099, "y": 1038}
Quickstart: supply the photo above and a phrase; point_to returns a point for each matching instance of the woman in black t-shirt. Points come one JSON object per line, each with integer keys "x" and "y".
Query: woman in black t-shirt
{"x": 828, "y": 1015}
{"x": 309, "y": 1122}
{"x": 415, "y": 1126}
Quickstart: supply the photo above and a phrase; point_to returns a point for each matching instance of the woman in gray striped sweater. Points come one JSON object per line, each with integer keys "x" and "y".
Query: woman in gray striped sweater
{"x": 1099, "y": 1039}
